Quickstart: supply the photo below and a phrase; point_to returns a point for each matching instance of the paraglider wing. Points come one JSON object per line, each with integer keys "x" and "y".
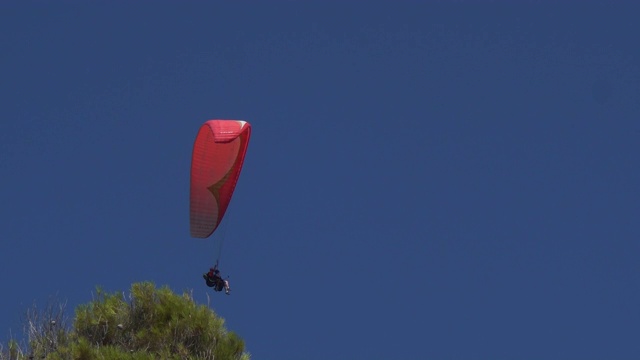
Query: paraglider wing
{"x": 218, "y": 155}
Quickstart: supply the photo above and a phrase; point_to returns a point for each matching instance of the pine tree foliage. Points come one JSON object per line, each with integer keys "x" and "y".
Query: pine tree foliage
{"x": 149, "y": 323}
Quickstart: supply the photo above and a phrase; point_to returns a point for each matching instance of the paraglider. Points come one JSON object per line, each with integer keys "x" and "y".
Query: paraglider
{"x": 218, "y": 155}
{"x": 214, "y": 280}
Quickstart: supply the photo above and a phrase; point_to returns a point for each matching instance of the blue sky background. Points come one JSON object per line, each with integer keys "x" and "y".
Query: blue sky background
{"x": 424, "y": 180}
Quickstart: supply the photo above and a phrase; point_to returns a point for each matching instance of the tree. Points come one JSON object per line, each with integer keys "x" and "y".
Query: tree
{"x": 150, "y": 323}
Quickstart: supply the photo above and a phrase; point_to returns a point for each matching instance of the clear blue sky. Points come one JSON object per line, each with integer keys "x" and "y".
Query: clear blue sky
{"x": 447, "y": 181}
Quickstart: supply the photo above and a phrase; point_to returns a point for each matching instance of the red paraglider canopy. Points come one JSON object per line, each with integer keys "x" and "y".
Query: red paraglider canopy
{"x": 218, "y": 155}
